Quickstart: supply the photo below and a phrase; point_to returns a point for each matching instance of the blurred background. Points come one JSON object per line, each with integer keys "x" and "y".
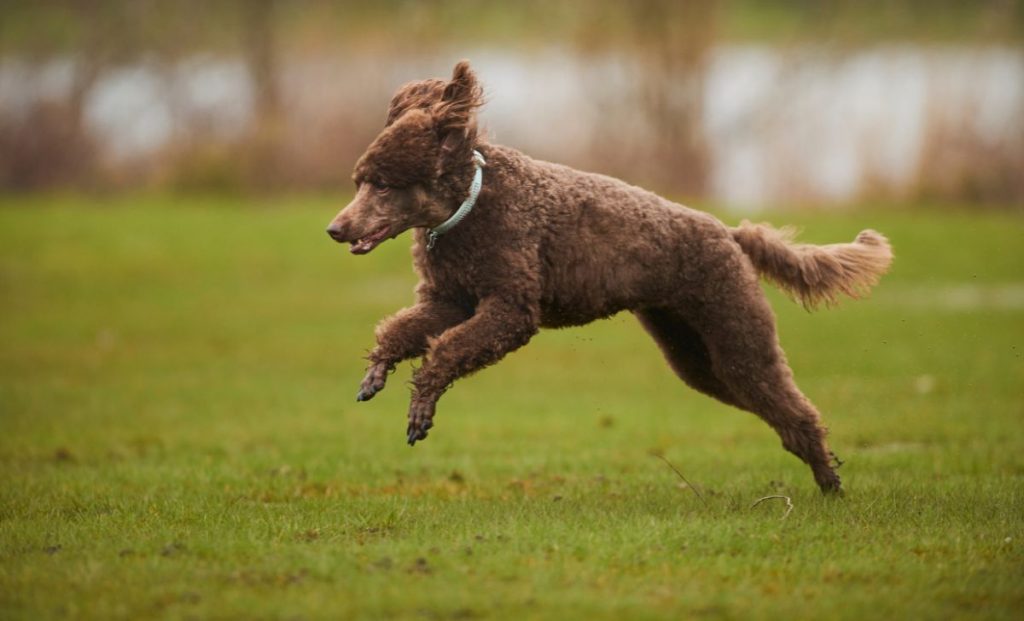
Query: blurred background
{"x": 744, "y": 103}
{"x": 180, "y": 343}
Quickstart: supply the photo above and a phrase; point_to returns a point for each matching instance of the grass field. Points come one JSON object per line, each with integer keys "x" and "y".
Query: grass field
{"x": 180, "y": 438}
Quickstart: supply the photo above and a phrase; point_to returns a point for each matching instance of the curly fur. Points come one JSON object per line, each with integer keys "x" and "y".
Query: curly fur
{"x": 550, "y": 246}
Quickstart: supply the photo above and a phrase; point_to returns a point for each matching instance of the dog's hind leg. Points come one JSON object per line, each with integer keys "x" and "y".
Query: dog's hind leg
{"x": 685, "y": 352}
{"x": 738, "y": 330}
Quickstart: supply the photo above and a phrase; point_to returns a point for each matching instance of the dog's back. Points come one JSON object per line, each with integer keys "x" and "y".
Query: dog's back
{"x": 595, "y": 244}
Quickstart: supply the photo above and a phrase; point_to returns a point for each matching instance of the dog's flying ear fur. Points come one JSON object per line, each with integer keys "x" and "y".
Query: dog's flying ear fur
{"x": 455, "y": 114}
{"x": 422, "y": 94}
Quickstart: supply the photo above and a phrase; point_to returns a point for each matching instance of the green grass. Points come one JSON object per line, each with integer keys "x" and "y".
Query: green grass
{"x": 179, "y": 438}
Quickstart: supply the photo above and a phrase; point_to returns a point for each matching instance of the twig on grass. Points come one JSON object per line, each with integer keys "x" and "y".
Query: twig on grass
{"x": 680, "y": 474}
{"x": 789, "y": 504}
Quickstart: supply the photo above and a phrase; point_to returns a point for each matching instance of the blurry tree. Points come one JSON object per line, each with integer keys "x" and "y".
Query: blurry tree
{"x": 667, "y": 44}
{"x": 261, "y": 56}
{"x": 261, "y": 148}
{"x": 674, "y": 40}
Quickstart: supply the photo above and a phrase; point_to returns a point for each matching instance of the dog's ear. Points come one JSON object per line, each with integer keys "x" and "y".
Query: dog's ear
{"x": 422, "y": 94}
{"x": 455, "y": 114}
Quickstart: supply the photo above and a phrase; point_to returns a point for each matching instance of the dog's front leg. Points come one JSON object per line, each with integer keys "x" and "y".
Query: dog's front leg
{"x": 404, "y": 335}
{"x": 497, "y": 328}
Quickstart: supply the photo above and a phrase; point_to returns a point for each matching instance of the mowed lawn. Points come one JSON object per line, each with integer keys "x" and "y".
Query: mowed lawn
{"x": 179, "y": 437}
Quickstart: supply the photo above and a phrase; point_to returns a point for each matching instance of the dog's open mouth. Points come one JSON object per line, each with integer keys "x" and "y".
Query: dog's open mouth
{"x": 371, "y": 241}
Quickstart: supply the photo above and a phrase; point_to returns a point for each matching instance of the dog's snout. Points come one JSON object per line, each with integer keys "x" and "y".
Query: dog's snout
{"x": 335, "y": 232}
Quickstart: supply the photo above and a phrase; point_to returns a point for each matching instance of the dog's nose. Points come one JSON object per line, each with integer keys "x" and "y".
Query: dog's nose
{"x": 335, "y": 232}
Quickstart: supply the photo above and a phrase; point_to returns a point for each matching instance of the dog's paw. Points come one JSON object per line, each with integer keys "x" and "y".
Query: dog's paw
{"x": 421, "y": 419}
{"x": 829, "y": 482}
{"x": 376, "y": 377}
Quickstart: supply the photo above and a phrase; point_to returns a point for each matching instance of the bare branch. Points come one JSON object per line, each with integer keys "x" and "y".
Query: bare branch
{"x": 789, "y": 504}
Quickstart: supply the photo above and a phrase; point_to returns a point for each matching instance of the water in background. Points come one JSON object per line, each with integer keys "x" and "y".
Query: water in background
{"x": 780, "y": 125}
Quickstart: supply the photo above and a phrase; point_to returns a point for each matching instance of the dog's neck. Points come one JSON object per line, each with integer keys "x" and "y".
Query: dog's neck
{"x": 465, "y": 207}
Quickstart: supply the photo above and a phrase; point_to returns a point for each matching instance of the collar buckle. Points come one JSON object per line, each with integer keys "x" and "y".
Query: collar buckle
{"x": 464, "y": 208}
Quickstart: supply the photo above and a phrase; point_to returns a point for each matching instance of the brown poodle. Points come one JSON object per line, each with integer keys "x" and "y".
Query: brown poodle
{"x": 544, "y": 245}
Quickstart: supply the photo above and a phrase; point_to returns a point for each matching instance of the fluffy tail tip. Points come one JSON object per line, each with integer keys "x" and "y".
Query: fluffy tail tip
{"x": 871, "y": 237}
{"x": 816, "y": 275}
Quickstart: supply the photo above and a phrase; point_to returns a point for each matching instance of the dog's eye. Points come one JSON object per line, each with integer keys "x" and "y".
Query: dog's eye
{"x": 381, "y": 189}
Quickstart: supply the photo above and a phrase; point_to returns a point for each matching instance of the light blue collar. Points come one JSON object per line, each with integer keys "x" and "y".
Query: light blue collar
{"x": 465, "y": 207}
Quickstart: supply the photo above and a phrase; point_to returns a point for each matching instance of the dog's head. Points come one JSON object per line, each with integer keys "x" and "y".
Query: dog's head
{"x": 418, "y": 169}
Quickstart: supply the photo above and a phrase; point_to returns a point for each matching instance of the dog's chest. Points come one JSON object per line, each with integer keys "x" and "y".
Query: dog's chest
{"x": 455, "y": 270}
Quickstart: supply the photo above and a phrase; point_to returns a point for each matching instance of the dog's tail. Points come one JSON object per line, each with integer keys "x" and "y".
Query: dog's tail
{"x": 815, "y": 274}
